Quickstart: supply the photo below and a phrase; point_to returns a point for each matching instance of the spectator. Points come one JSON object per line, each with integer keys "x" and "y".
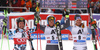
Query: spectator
{"x": 16, "y": 3}
{"x": 90, "y": 5}
{"x": 4, "y": 3}
{"x": 53, "y": 10}
{"x": 27, "y": 4}
{"x": 33, "y": 7}
{"x": 0, "y": 2}
{"x": 98, "y": 2}
{"x": 94, "y": 0}
{"x": 33, "y": 1}
{"x": 97, "y": 10}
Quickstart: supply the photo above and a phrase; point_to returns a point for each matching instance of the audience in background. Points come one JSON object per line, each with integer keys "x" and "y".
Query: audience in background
{"x": 27, "y": 4}
{"x": 16, "y": 3}
{"x": 31, "y": 6}
{"x": 98, "y": 2}
{"x": 4, "y": 3}
{"x": 94, "y": 5}
{"x": 97, "y": 8}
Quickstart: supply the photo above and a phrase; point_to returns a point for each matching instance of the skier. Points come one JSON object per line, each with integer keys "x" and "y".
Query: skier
{"x": 79, "y": 33}
{"x": 19, "y": 35}
{"x": 50, "y": 32}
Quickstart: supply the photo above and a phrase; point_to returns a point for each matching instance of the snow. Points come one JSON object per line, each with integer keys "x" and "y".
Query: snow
{"x": 67, "y": 45}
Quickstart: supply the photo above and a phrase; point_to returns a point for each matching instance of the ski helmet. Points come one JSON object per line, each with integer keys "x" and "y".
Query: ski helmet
{"x": 50, "y": 17}
{"x": 20, "y": 19}
{"x": 77, "y": 17}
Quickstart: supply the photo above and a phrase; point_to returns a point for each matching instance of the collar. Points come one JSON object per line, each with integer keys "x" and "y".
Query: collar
{"x": 51, "y": 26}
{"x": 20, "y": 30}
{"x": 79, "y": 25}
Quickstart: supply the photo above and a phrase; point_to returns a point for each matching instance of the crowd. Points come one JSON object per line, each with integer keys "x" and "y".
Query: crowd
{"x": 95, "y": 5}
{"x": 31, "y": 5}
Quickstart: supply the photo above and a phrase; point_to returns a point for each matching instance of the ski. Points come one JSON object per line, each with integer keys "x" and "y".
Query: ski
{"x": 93, "y": 27}
{"x": 30, "y": 41}
{"x": 37, "y": 17}
{"x": 58, "y": 29}
{"x": 5, "y": 30}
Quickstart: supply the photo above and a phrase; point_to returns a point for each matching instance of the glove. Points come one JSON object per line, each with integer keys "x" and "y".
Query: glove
{"x": 93, "y": 22}
{"x": 67, "y": 16}
{"x": 5, "y": 19}
{"x": 37, "y": 17}
{"x": 57, "y": 24}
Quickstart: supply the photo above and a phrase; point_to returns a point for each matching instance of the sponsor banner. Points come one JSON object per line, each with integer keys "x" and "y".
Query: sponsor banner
{"x": 79, "y": 40}
{"x": 85, "y": 20}
{"x": 65, "y": 36}
{"x": 30, "y": 21}
{"x": 34, "y": 36}
{"x": 88, "y": 37}
{"x": 54, "y": 41}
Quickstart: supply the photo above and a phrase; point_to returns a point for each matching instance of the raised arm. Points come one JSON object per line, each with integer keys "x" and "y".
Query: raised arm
{"x": 65, "y": 24}
{"x": 42, "y": 27}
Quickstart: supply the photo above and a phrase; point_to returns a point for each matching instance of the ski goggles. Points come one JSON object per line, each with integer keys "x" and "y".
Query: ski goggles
{"x": 78, "y": 18}
{"x": 21, "y": 19}
{"x": 51, "y": 18}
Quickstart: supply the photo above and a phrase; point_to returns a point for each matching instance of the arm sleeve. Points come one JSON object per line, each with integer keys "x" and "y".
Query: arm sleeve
{"x": 63, "y": 24}
{"x": 63, "y": 13}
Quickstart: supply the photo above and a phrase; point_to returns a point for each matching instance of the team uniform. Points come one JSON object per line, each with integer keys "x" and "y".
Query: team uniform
{"x": 19, "y": 36}
{"x": 79, "y": 34}
{"x": 51, "y": 35}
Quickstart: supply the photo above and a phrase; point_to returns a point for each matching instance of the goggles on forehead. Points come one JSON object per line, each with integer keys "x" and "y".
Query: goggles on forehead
{"x": 51, "y": 18}
{"x": 21, "y": 19}
{"x": 78, "y": 18}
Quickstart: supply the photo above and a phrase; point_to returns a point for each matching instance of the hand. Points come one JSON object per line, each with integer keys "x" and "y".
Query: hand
{"x": 37, "y": 17}
{"x": 67, "y": 16}
{"x": 93, "y": 22}
{"x": 5, "y": 19}
{"x": 57, "y": 23}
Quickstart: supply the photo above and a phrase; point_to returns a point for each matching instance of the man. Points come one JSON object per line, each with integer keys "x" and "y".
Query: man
{"x": 79, "y": 33}
{"x": 19, "y": 35}
{"x": 15, "y": 3}
{"x": 27, "y": 4}
{"x": 50, "y": 32}
{"x": 4, "y": 3}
